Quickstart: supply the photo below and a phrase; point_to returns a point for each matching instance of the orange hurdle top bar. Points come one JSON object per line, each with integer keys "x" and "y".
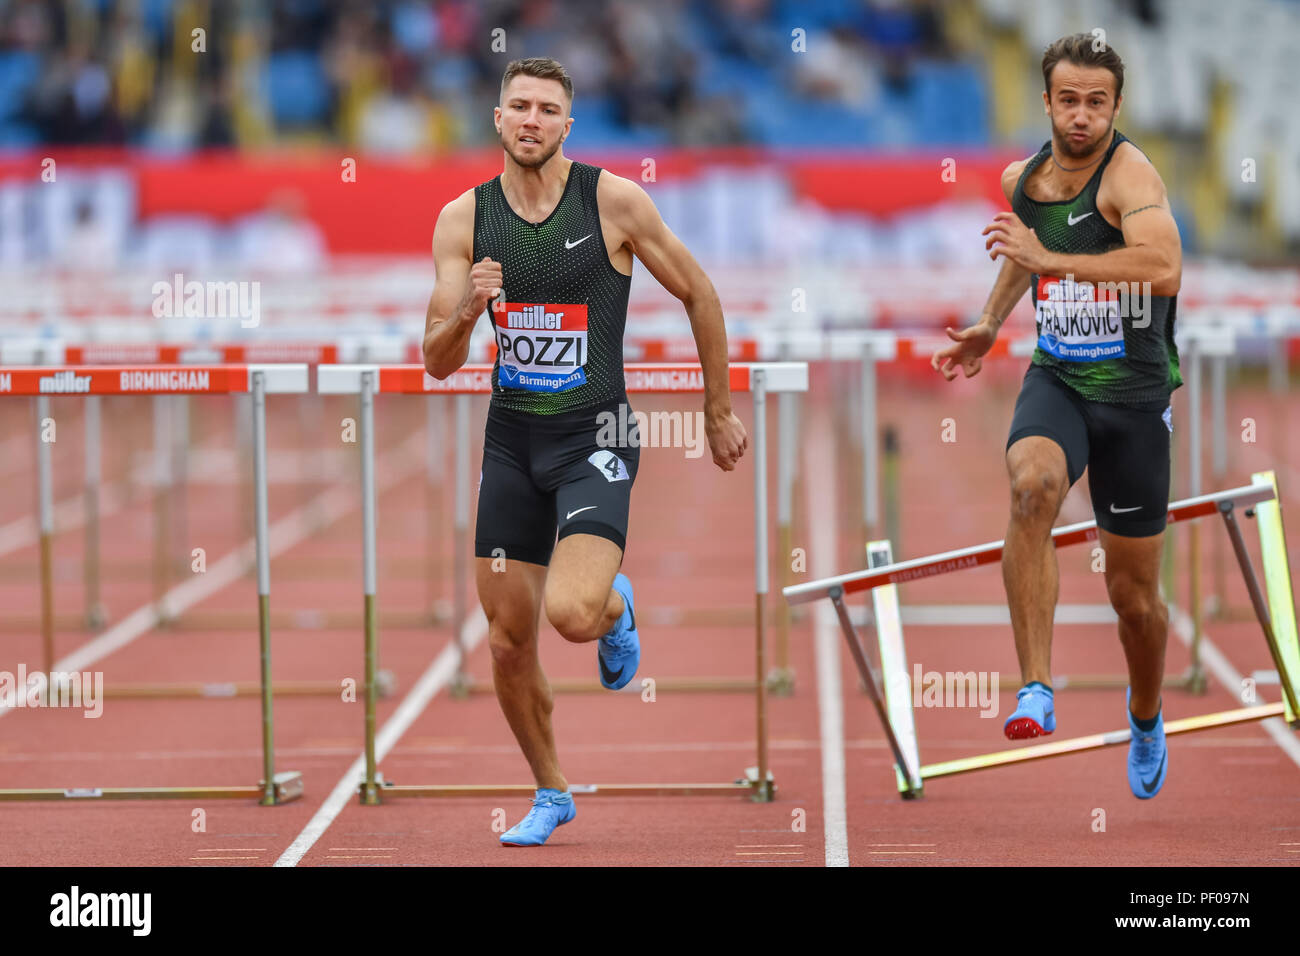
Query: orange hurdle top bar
{"x": 477, "y": 379}
{"x": 149, "y": 379}
{"x": 980, "y": 554}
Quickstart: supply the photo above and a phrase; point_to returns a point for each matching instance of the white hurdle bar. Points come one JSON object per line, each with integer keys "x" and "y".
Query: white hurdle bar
{"x": 759, "y": 379}
{"x": 1279, "y": 627}
{"x": 43, "y": 383}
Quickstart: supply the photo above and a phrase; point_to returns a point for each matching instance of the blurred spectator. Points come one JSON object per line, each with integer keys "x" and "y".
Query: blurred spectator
{"x": 409, "y": 76}
{"x": 89, "y": 247}
{"x": 281, "y": 239}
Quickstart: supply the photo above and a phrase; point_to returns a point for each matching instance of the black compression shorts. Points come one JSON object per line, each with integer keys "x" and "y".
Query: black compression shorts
{"x": 1125, "y": 449}
{"x": 570, "y": 472}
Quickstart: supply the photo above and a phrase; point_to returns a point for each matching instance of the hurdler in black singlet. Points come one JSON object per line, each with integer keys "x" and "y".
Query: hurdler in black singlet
{"x": 1083, "y": 338}
{"x": 560, "y": 335}
{"x": 558, "y": 380}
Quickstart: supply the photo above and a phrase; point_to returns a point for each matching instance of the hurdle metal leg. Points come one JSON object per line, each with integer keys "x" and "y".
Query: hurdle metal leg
{"x": 1257, "y": 599}
{"x": 95, "y": 613}
{"x": 869, "y": 681}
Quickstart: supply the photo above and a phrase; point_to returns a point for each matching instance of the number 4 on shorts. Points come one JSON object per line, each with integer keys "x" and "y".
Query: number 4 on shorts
{"x": 610, "y": 465}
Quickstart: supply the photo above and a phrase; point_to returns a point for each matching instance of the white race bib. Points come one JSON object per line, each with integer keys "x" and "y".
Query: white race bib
{"x": 541, "y": 347}
{"x": 1076, "y": 323}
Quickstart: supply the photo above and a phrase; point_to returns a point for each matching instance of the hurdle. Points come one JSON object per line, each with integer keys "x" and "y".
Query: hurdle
{"x": 1258, "y": 500}
{"x": 759, "y": 379}
{"x": 170, "y": 477}
{"x": 42, "y": 382}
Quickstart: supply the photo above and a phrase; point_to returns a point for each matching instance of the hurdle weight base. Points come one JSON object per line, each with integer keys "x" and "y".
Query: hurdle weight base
{"x": 286, "y": 787}
{"x": 780, "y": 681}
{"x": 759, "y": 793}
{"x": 96, "y": 618}
{"x": 369, "y": 794}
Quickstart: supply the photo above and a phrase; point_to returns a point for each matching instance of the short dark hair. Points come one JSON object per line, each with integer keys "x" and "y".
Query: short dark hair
{"x": 542, "y": 67}
{"x": 1081, "y": 49}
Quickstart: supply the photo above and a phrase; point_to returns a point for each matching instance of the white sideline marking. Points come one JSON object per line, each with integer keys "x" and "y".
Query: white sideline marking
{"x": 1227, "y": 675}
{"x": 830, "y": 698}
{"x": 292, "y": 529}
{"x": 435, "y": 678}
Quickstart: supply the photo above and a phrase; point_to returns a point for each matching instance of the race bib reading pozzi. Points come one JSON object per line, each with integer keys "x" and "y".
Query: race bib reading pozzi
{"x": 541, "y": 347}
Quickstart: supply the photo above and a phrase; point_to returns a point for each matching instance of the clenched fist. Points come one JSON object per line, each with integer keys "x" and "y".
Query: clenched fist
{"x": 727, "y": 439}
{"x": 483, "y": 286}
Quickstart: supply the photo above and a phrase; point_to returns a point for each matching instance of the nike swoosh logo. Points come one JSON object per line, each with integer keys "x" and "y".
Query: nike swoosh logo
{"x": 579, "y": 511}
{"x": 570, "y": 245}
{"x": 1120, "y": 511}
{"x": 1148, "y": 787}
{"x": 1070, "y": 220}
{"x": 611, "y": 677}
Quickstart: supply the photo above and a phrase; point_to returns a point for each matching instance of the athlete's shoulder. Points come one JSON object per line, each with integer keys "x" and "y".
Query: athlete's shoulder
{"x": 1130, "y": 178}
{"x": 455, "y": 225}
{"x": 1011, "y": 175}
{"x": 460, "y": 209}
{"x": 622, "y": 198}
{"x": 1128, "y": 157}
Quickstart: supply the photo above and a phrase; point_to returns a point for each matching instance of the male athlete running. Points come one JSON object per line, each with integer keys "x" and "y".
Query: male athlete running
{"x": 550, "y": 243}
{"x": 1091, "y": 228}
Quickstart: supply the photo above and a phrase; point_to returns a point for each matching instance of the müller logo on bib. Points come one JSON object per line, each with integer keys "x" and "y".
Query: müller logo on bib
{"x": 541, "y": 347}
{"x": 1078, "y": 321}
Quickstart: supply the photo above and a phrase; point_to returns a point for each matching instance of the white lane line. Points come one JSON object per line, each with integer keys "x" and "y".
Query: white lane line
{"x": 1227, "y": 675}
{"x": 821, "y": 508}
{"x": 295, "y": 527}
{"x": 437, "y": 676}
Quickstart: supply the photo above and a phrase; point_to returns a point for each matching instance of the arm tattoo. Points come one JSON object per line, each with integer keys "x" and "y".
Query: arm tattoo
{"x": 1154, "y": 205}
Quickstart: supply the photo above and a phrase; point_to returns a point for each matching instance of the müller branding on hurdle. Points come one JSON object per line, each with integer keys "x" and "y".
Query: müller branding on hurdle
{"x": 759, "y": 379}
{"x": 87, "y": 381}
{"x": 893, "y": 705}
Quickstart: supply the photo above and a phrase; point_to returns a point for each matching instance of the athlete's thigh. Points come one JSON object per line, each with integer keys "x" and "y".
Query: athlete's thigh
{"x": 516, "y": 518}
{"x": 511, "y": 595}
{"x": 582, "y": 570}
{"x": 1047, "y": 414}
{"x": 1128, "y": 472}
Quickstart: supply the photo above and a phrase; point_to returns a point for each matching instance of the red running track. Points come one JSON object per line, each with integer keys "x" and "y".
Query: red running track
{"x": 1231, "y": 797}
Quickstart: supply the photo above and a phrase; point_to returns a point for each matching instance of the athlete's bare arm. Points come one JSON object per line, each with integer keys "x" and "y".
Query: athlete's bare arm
{"x": 1131, "y": 192}
{"x": 971, "y": 343}
{"x": 629, "y": 217}
{"x": 461, "y": 290}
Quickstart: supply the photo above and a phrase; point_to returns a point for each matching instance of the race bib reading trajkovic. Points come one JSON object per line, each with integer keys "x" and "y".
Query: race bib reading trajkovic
{"x": 541, "y": 347}
{"x": 1076, "y": 321}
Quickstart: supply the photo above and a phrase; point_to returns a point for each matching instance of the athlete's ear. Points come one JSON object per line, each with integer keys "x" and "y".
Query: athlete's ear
{"x": 496, "y": 118}
{"x": 1047, "y": 103}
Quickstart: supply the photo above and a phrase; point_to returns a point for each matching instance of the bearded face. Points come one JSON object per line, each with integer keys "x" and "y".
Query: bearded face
{"x": 532, "y": 120}
{"x": 1082, "y": 108}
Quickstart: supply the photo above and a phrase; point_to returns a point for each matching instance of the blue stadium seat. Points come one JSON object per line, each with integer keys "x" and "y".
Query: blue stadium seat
{"x": 19, "y": 70}
{"x": 297, "y": 88}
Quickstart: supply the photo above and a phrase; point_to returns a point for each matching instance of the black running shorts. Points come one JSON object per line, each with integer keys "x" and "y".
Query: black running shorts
{"x": 570, "y": 472}
{"x": 1125, "y": 449}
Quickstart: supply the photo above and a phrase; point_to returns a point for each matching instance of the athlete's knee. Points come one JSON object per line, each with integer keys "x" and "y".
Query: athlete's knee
{"x": 512, "y": 647}
{"x": 1137, "y": 604}
{"x": 1036, "y": 493}
{"x": 576, "y": 618}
